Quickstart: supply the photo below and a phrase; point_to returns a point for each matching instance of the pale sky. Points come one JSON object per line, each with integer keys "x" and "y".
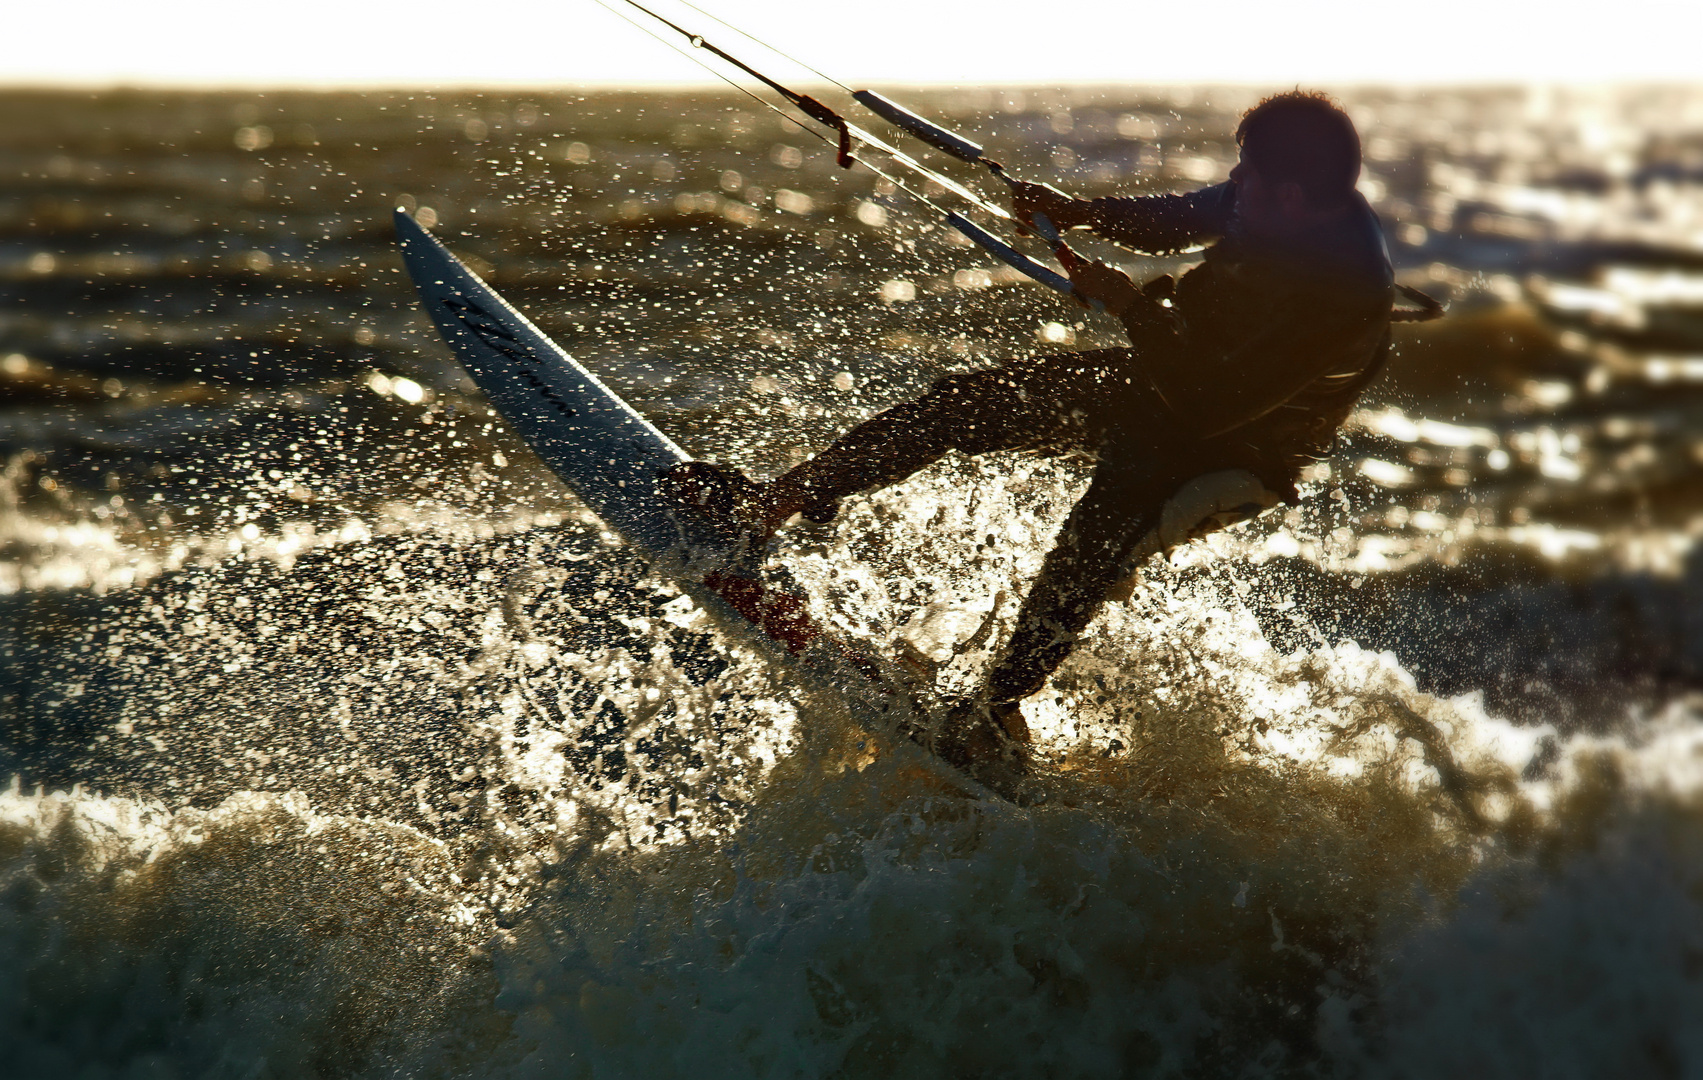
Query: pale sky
{"x": 861, "y": 42}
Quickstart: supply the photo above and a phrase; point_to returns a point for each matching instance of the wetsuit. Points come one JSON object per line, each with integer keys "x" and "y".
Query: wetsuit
{"x": 1250, "y": 361}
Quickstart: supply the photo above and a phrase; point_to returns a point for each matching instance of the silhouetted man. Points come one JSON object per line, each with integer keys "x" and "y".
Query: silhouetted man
{"x": 1237, "y": 375}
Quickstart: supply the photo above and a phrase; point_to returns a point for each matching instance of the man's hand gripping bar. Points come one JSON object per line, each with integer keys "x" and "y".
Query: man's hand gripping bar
{"x": 956, "y": 145}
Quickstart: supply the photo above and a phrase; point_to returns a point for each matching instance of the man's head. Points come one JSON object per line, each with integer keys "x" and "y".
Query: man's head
{"x": 1300, "y": 158}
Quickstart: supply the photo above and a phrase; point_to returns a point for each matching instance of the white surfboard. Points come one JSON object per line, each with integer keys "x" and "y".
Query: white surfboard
{"x": 598, "y": 444}
{"x": 612, "y": 458}
{"x": 608, "y": 455}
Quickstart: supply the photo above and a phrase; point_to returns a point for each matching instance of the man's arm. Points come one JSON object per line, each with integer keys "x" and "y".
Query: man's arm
{"x": 1155, "y": 224}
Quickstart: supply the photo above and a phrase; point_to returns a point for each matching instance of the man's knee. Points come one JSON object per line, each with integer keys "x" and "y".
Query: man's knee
{"x": 1050, "y": 402}
{"x": 975, "y": 411}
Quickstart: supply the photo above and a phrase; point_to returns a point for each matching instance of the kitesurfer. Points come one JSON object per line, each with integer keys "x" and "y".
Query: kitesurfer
{"x": 1237, "y": 376}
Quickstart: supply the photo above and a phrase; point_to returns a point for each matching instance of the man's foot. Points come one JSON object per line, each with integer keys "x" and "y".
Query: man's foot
{"x": 728, "y": 496}
{"x": 725, "y": 496}
{"x": 989, "y": 742}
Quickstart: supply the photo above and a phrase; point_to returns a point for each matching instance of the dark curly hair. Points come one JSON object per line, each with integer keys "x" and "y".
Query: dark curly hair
{"x": 1304, "y": 137}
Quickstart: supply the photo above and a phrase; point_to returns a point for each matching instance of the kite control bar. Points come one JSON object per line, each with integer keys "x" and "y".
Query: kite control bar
{"x": 1009, "y": 255}
{"x": 950, "y": 142}
{"x": 927, "y": 130}
{"x": 1020, "y": 262}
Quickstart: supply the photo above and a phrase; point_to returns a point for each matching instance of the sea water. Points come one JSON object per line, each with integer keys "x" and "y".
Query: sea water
{"x": 344, "y": 742}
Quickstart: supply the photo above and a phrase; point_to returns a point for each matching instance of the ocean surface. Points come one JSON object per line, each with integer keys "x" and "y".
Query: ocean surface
{"x": 342, "y": 742}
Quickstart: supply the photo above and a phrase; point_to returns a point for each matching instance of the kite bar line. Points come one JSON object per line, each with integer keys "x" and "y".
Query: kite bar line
{"x": 849, "y": 133}
{"x": 753, "y": 38}
{"x": 814, "y": 109}
{"x": 935, "y": 135}
{"x": 806, "y": 104}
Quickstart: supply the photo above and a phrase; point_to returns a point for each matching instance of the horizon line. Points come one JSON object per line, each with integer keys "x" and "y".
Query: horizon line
{"x": 335, "y": 86}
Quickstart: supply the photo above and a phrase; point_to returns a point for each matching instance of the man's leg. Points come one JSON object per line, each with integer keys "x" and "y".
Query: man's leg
{"x": 1124, "y": 501}
{"x": 1017, "y": 404}
{"x": 1122, "y": 505}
